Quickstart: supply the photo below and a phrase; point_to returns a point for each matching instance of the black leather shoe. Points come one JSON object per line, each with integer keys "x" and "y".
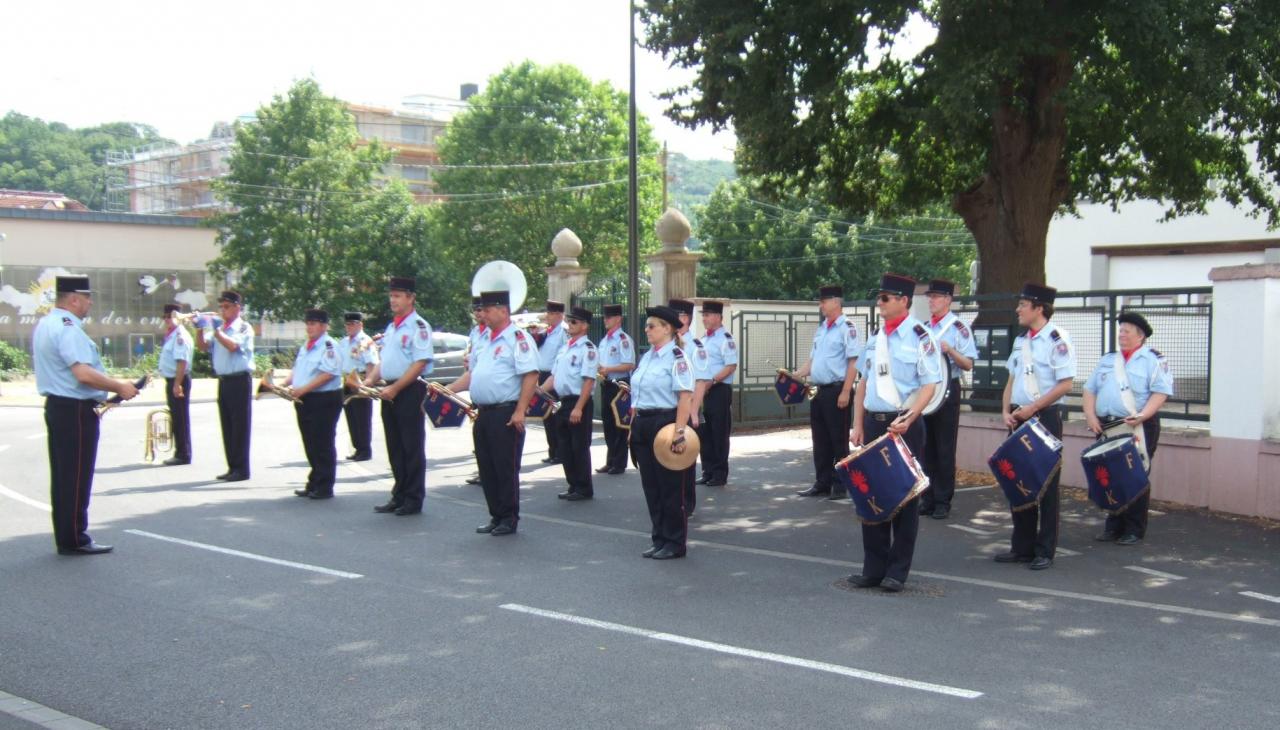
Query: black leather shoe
{"x": 603, "y": 470}
{"x": 616, "y": 470}
{"x": 563, "y": 495}
{"x": 1041, "y": 563}
{"x": 650, "y": 552}
{"x": 813, "y": 492}
{"x": 837, "y": 496}
{"x": 360, "y": 457}
{"x": 175, "y": 461}
{"x": 383, "y": 509}
{"x": 667, "y": 553}
{"x": 925, "y": 509}
{"x": 89, "y": 548}
{"x": 940, "y": 512}
{"x": 322, "y": 495}
{"x": 236, "y": 477}
{"x": 473, "y": 480}
{"x": 302, "y": 492}
{"x": 701, "y": 480}
{"x": 862, "y": 581}
{"x": 223, "y": 475}
{"x": 577, "y": 497}
{"x": 485, "y": 529}
{"x": 891, "y": 585}
{"x": 716, "y": 483}
{"x": 1105, "y": 536}
{"x": 405, "y": 509}
{"x": 1012, "y": 557}
{"x": 502, "y": 530}
{"x": 551, "y": 460}
{"x": 1129, "y": 540}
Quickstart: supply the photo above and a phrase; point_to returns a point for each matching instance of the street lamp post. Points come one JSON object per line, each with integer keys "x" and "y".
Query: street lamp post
{"x": 633, "y": 235}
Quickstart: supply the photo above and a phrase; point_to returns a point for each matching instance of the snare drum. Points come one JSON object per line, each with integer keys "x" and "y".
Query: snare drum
{"x": 621, "y": 406}
{"x": 790, "y": 390}
{"x": 542, "y": 405}
{"x": 1025, "y": 463}
{"x": 1115, "y": 472}
{"x": 882, "y": 478}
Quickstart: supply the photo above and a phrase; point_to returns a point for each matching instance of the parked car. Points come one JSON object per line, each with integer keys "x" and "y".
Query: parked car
{"x": 449, "y": 349}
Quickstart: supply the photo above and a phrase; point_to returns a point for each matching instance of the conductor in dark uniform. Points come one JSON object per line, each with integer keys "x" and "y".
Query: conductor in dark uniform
{"x": 316, "y": 381}
{"x": 70, "y": 376}
{"x": 229, "y": 343}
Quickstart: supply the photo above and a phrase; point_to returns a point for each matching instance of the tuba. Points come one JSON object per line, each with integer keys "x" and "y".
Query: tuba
{"x": 266, "y": 385}
{"x": 159, "y": 433}
{"x": 501, "y": 276}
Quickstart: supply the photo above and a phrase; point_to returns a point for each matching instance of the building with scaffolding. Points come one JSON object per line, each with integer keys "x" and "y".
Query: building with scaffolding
{"x": 163, "y": 179}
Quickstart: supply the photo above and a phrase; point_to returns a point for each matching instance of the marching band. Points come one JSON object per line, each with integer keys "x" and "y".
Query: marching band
{"x": 894, "y": 397}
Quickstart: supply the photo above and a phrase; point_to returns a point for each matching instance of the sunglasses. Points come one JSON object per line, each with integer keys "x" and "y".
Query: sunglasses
{"x": 887, "y": 298}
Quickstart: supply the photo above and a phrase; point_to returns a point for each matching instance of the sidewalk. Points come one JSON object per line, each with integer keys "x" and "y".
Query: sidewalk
{"x": 22, "y": 393}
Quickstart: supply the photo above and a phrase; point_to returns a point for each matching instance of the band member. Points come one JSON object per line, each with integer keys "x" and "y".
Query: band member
{"x": 573, "y": 380}
{"x": 175, "y": 367}
{"x": 359, "y": 353}
{"x": 832, "y": 366}
{"x": 697, "y": 358}
{"x": 548, "y": 348}
{"x": 719, "y": 356}
{"x": 617, "y": 360}
{"x": 899, "y": 374}
{"x": 406, "y": 355}
{"x": 1133, "y": 396}
{"x": 1041, "y": 368}
{"x": 662, "y": 393}
{"x": 474, "y": 340}
{"x": 317, "y": 384}
{"x": 70, "y": 376}
{"x": 230, "y": 346}
{"x": 502, "y": 377}
{"x": 942, "y": 427}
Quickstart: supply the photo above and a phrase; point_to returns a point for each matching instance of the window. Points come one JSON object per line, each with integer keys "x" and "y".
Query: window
{"x": 413, "y": 133}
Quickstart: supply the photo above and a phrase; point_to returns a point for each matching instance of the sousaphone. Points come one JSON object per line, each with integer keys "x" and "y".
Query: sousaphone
{"x": 501, "y": 276}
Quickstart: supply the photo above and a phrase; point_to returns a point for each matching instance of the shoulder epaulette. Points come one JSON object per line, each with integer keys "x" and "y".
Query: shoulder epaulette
{"x": 677, "y": 352}
{"x": 519, "y": 333}
{"x": 1053, "y": 334}
{"x": 589, "y": 344}
{"x": 697, "y": 342}
{"x": 964, "y": 331}
{"x": 1156, "y": 352}
{"x": 728, "y": 334}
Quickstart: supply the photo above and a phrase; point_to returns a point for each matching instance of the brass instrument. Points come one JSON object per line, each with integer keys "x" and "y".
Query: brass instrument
{"x": 501, "y": 276}
{"x": 467, "y": 406}
{"x": 115, "y": 400}
{"x": 266, "y": 385}
{"x": 189, "y": 318}
{"x": 159, "y": 433}
{"x": 374, "y": 341}
{"x": 358, "y": 389}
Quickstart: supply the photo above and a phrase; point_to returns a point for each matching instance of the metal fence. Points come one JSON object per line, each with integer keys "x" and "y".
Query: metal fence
{"x": 1181, "y": 320}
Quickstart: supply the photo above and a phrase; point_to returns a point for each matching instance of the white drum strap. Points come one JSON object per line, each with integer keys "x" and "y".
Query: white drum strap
{"x": 1029, "y": 382}
{"x": 885, "y": 387}
{"x": 1130, "y": 404}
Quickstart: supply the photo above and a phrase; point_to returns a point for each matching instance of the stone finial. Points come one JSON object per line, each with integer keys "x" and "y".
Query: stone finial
{"x": 567, "y": 247}
{"x": 673, "y": 230}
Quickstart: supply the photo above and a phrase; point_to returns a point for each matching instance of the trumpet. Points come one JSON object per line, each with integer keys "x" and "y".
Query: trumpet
{"x": 266, "y": 385}
{"x": 375, "y": 342}
{"x": 358, "y": 390}
{"x": 115, "y": 400}
{"x": 192, "y": 319}
{"x": 159, "y": 433}
{"x": 467, "y": 406}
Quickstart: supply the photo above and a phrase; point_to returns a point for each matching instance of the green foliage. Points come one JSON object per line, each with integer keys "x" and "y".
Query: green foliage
{"x": 50, "y": 156}
{"x": 505, "y": 203}
{"x": 691, "y": 182}
{"x": 785, "y": 250}
{"x": 13, "y": 358}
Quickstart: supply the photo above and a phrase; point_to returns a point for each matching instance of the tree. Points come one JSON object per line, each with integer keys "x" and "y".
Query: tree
{"x": 313, "y": 225}
{"x": 544, "y": 148}
{"x": 38, "y": 155}
{"x": 786, "y": 249}
{"x": 1013, "y": 112}
{"x": 691, "y": 182}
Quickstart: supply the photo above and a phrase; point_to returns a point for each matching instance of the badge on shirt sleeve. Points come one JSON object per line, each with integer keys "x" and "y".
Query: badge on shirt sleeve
{"x": 329, "y": 353}
{"x": 729, "y": 343}
{"x": 626, "y": 343}
{"x": 964, "y": 331}
{"x": 591, "y": 354}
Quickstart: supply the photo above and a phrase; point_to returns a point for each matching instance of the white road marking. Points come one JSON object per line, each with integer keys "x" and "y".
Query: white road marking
{"x": 1156, "y": 573}
{"x": 3, "y": 447}
{"x": 974, "y": 489}
{"x": 250, "y": 556}
{"x": 1263, "y": 596}
{"x": 35, "y": 436}
{"x": 974, "y": 530}
{"x": 863, "y": 674}
{"x": 24, "y": 499}
{"x": 1065, "y": 552}
{"x": 41, "y": 716}
{"x": 1155, "y": 513}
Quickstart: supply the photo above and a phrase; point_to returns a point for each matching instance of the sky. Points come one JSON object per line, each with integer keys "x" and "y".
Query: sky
{"x": 181, "y": 66}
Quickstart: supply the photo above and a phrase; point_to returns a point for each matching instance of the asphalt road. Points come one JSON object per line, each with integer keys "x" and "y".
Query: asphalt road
{"x": 380, "y": 621}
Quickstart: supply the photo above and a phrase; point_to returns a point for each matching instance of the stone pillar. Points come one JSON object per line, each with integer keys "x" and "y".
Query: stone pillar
{"x": 674, "y": 268}
{"x": 566, "y": 278}
{"x": 1244, "y": 387}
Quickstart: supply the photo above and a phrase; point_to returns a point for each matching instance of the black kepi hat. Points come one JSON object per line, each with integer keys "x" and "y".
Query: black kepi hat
{"x": 712, "y": 307}
{"x": 73, "y": 284}
{"x": 613, "y": 310}
{"x": 353, "y": 317}
{"x": 903, "y": 286}
{"x": 1038, "y": 293}
{"x": 580, "y": 314}
{"x": 316, "y": 315}
{"x": 666, "y": 314}
{"x": 832, "y": 291}
{"x": 495, "y": 299}
{"x": 475, "y": 303}
{"x": 169, "y": 308}
{"x": 941, "y": 286}
{"x": 684, "y": 306}
{"x": 230, "y": 297}
{"x": 1137, "y": 320}
{"x": 403, "y": 283}
{"x": 554, "y": 306}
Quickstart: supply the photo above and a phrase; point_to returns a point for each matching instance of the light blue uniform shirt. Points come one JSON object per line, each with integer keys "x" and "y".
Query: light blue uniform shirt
{"x": 617, "y": 348}
{"x": 1148, "y": 373}
{"x": 834, "y": 346}
{"x": 575, "y": 363}
{"x": 662, "y": 375}
{"x": 957, "y": 336}
{"x": 404, "y": 345}
{"x": 323, "y": 357}
{"x": 58, "y": 343}
{"x": 177, "y": 348}
{"x": 550, "y": 347}
{"x": 359, "y": 362}
{"x": 240, "y": 361}
{"x": 912, "y": 364}
{"x": 1053, "y": 359}
{"x": 476, "y": 337}
{"x": 718, "y": 350}
{"x": 500, "y": 366}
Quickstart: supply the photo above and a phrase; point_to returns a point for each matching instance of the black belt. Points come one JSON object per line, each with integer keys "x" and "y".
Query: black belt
{"x": 566, "y": 398}
{"x": 646, "y": 412}
{"x": 883, "y": 416}
{"x": 831, "y": 385}
{"x": 69, "y": 399}
{"x": 495, "y": 406}
{"x": 234, "y": 375}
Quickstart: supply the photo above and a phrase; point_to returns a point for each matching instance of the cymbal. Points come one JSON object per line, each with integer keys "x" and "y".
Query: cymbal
{"x": 671, "y": 460}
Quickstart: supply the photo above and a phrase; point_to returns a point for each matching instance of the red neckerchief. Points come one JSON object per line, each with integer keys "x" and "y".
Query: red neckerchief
{"x": 170, "y": 335}
{"x": 832, "y": 322}
{"x": 891, "y": 325}
{"x": 712, "y": 331}
{"x": 609, "y": 334}
{"x": 400, "y": 320}
{"x": 574, "y": 339}
{"x": 1128, "y": 354}
{"x": 226, "y": 326}
{"x": 483, "y": 329}
{"x": 658, "y": 348}
{"x": 1031, "y": 334}
{"x": 933, "y": 321}
{"x": 312, "y": 343}
{"x": 494, "y": 333}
